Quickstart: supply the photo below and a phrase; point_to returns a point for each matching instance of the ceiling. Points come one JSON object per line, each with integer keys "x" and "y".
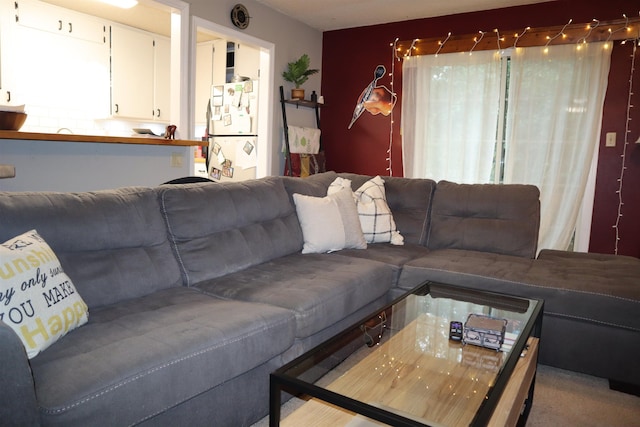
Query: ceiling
{"x": 328, "y": 15}
{"x": 147, "y": 15}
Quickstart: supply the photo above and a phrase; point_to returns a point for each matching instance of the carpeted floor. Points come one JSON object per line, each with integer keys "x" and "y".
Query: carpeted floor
{"x": 563, "y": 398}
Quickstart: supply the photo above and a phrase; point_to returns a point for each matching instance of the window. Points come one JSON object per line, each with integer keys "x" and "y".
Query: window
{"x": 531, "y": 117}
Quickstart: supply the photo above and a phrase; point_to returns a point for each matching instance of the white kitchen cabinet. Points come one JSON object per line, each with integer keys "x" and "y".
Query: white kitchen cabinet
{"x": 204, "y": 80}
{"x": 47, "y": 69}
{"x": 131, "y": 73}
{"x": 162, "y": 78}
{"x": 57, "y": 20}
{"x": 247, "y": 61}
{"x": 6, "y": 80}
{"x": 140, "y": 67}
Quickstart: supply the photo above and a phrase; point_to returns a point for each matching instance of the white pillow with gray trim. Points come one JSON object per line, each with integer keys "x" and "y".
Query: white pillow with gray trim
{"x": 329, "y": 223}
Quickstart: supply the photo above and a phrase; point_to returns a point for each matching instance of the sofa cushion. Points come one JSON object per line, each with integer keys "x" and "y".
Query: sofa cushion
{"x": 576, "y": 291}
{"x": 410, "y": 201}
{"x": 314, "y": 185}
{"x": 502, "y": 219}
{"x": 393, "y": 255}
{"x": 105, "y": 240}
{"x": 329, "y": 223}
{"x": 218, "y": 229}
{"x": 141, "y": 357}
{"x": 37, "y": 299}
{"x": 319, "y": 288}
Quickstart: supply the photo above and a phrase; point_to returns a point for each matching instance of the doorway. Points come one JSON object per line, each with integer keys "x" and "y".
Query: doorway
{"x": 232, "y": 53}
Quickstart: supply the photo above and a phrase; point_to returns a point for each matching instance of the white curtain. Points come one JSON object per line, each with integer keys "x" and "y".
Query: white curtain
{"x": 449, "y": 110}
{"x": 554, "y": 118}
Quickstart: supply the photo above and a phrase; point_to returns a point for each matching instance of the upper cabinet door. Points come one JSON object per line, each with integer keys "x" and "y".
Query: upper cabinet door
{"x": 204, "y": 80}
{"x": 132, "y": 73}
{"x": 46, "y": 69}
{"x": 57, "y": 20}
{"x": 247, "y": 61}
{"x": 162, "y": 81}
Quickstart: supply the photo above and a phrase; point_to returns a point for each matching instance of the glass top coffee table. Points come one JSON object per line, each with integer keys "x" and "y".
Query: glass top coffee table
{"x": 400, "y": 367}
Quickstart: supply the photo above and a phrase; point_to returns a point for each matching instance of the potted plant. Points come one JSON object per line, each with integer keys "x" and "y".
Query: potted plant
{"x": 298, "y": 73}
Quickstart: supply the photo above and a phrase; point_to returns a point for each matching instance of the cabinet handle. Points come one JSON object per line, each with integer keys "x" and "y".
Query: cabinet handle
{"x": 59, "y": 25}
{"x": 70, "y": 27}
{"x": 117, "y": 108}
{"x": 158, "y": 112}
{"x": 8, "y": 96}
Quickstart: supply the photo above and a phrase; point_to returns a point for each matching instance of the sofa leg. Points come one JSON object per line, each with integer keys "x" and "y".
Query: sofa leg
{"x": 625, "y": 387}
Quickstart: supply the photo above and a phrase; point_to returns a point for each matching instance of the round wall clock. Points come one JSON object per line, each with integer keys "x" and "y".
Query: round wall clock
{"x": 240, "y": 16}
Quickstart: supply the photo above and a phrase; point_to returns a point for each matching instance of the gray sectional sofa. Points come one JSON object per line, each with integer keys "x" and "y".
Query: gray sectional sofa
{"x": 196, "y": 292}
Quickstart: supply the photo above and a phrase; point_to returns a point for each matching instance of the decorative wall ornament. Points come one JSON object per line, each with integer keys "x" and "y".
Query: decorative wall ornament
{"x": 374, "y": 99}
{"x": 240, "y": 16}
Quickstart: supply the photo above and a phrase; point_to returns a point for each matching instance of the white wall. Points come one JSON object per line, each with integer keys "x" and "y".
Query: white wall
{"x": 74, "y": 166}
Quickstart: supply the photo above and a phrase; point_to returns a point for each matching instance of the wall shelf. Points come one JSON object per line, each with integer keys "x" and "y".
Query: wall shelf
{"x": 298, "y": 103}
{"x": 303, "y": 103}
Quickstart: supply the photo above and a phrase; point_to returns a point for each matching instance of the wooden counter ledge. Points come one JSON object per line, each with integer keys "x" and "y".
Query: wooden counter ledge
{"x": 17, "y": 135}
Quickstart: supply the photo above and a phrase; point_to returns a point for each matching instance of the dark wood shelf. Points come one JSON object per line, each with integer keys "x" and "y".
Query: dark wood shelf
{"x": 303, "y": 103}
{"x": 298, "y": 103}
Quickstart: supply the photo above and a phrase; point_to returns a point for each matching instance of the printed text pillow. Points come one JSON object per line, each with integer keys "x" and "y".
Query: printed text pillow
{"x": 37, "y": 299}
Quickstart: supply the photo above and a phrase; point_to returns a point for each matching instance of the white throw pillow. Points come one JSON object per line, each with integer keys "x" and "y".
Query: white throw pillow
{"x": 329, "y": 223}
{"x": 340, "y": 184}
{"x": 376, "y": 218}
{"x": 37, "y": 299}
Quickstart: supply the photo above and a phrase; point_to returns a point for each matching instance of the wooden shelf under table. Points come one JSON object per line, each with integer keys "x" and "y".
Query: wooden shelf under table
{"x": 316, "y": 413}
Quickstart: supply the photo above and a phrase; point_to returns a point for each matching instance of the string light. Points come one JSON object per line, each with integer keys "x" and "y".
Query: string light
{"x": 590, "y": 29}
{"x": 411, "y": 48}
{"x": 625, "y": 27}
{"x": 561, "y": 33}
{"x": 517, "y": 36}
{"x": 623, "y": 166}
{"x": 396, "y": 49}
{"x": 393, "y": 94}
{"x": 477, "y": 40}
{"x": 442, "y": 43}
{"x": 499, "y": 38}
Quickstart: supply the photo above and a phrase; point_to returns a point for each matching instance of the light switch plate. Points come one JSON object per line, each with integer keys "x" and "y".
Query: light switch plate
{"x": 611, "y": 139}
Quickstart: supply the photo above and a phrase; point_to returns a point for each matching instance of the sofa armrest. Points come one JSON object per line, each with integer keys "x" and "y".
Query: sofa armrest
{"x": 19, "y": 405}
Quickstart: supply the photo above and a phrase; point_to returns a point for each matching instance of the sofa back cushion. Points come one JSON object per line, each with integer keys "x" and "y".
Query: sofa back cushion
{"x": 409, "y": 200}
{"x": 502, "y": 219}
{"x": 220, "y": 228}
{"x": 112, "y": 244}
{"x": 314, "y": 185}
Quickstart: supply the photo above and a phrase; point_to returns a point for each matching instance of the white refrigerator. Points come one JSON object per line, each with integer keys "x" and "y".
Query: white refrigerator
{"x": 233, "y": 131}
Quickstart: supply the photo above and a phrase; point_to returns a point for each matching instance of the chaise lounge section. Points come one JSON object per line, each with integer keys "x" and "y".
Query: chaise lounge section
{"x": 196, "y": 292}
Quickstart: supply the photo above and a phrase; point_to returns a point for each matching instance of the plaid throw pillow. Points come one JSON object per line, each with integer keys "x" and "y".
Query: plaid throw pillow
{"x": 376, "y": 219}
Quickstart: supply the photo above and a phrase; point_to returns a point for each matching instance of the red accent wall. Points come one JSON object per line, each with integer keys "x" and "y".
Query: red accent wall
{"x": 350, "y": 57}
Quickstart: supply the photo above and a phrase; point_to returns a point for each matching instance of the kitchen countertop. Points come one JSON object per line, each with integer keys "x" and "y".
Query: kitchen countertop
{"x": 17, "y": 135}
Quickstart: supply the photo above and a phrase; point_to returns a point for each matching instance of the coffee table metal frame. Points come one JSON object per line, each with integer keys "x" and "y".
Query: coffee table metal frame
{"x": 285, "y": 378}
